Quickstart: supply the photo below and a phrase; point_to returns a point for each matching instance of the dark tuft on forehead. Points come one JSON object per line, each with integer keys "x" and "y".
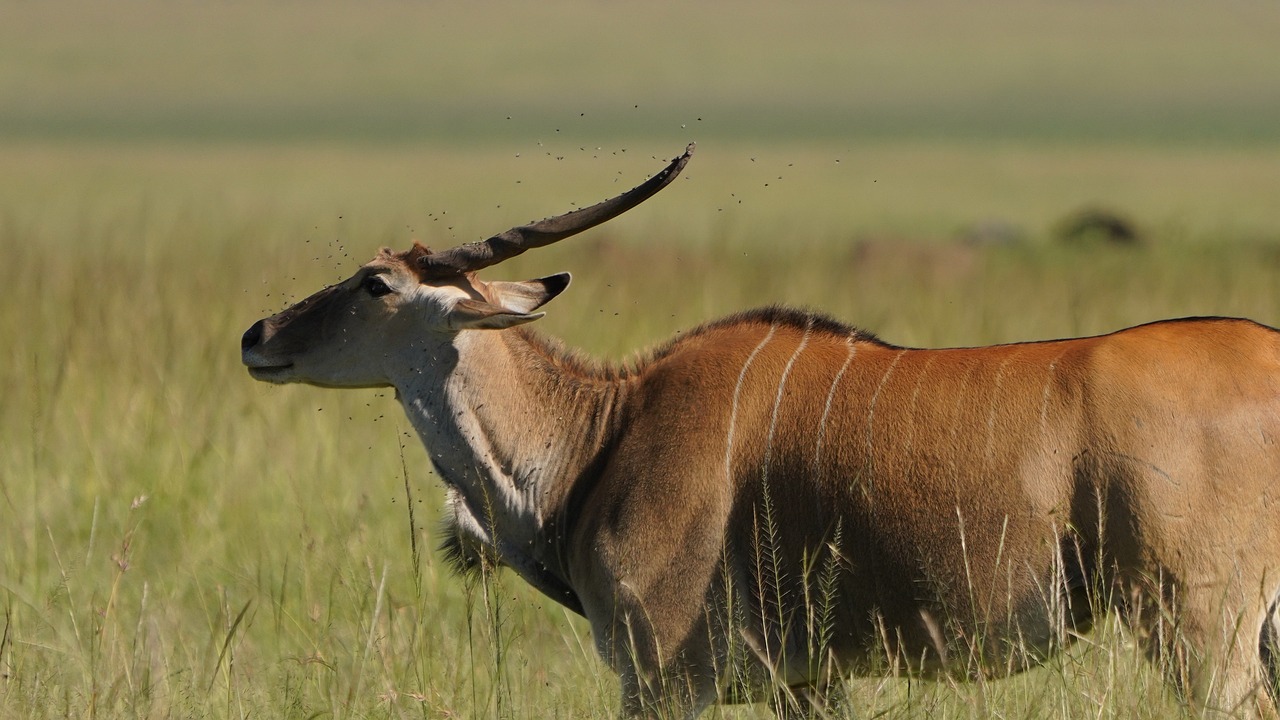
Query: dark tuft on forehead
{"x": 413, "y": 258}
{"x": 415, "y": 261}
{"x": 414, "y": 255}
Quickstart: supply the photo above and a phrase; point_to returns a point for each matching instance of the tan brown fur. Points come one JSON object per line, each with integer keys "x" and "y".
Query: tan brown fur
{"x": 960, "y": 482}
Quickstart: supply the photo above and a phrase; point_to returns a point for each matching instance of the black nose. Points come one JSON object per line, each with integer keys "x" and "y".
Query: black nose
{"x": 251, "y": 337}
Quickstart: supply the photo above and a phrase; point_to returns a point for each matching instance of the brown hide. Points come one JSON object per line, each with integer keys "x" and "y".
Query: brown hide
{"x": 969, "y": 508}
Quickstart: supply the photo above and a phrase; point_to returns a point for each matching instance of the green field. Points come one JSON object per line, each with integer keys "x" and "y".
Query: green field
{"x": 179, "y": 541}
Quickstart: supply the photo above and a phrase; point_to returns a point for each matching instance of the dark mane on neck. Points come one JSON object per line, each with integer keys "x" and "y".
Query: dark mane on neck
{"x": 788, "y": 317}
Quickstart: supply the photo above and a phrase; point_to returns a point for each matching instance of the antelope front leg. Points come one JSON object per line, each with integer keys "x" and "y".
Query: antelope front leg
{"x": 669, "y": 695}
{"x": 656, "y": 685}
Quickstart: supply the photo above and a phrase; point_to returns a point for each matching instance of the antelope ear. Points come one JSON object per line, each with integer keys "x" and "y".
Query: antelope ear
{"x": 529, "y": 295}
{"x": 479, "y": 315}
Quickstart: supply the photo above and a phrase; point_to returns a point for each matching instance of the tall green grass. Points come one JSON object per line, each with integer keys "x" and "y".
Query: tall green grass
{"x": 179, "y": 541}
{"x": 164, "y": 554}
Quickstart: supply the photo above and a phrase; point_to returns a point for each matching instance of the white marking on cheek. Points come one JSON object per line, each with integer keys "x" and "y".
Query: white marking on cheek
{"x": 737, "y": 390}
{"x": 826, "y": 410}
{"x": 777, "y": 401}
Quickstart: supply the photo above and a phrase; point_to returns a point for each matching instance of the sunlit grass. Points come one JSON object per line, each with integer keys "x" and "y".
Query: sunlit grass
{"x": 180, "y": 538}
{"x": 179, "y": 541}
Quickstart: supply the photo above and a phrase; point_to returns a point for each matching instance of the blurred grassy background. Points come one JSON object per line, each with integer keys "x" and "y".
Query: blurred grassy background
{"x": 833, "y": 72}
{"x": 169, "y": 172}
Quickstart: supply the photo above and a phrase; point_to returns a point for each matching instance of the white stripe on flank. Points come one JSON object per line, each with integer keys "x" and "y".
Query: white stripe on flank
{"x": 991, "y": 414}
{"x": 871, "y": 411}
{"x": 1044, "y": 395}
{"x": 961, "y": 392}
{"x": 822, "y": 424}
{"x": 777, "y": 401}
{"x": 733, "y": 414}
{"x": 909, "y": 444}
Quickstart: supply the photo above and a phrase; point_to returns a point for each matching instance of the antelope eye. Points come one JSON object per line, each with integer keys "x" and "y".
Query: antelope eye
{"x": 376, "y": 286}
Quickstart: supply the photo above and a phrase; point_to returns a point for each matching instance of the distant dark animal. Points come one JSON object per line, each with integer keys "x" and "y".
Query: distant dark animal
{"x": 1098, "y": 225}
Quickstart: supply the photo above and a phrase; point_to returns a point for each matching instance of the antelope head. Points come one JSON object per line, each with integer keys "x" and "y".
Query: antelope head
{"x": 339, "y": 337}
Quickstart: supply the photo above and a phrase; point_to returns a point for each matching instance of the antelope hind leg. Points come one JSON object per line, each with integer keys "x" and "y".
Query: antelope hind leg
{"x": 1222, "y": 657}
{"x": 1269, "y": 655}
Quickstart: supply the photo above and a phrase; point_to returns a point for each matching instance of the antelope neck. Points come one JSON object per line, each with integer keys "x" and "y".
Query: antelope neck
{"x": 516, "y": 432}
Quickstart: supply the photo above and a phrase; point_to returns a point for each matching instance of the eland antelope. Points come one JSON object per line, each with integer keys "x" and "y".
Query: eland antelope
{"x": 776, "y": 499}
